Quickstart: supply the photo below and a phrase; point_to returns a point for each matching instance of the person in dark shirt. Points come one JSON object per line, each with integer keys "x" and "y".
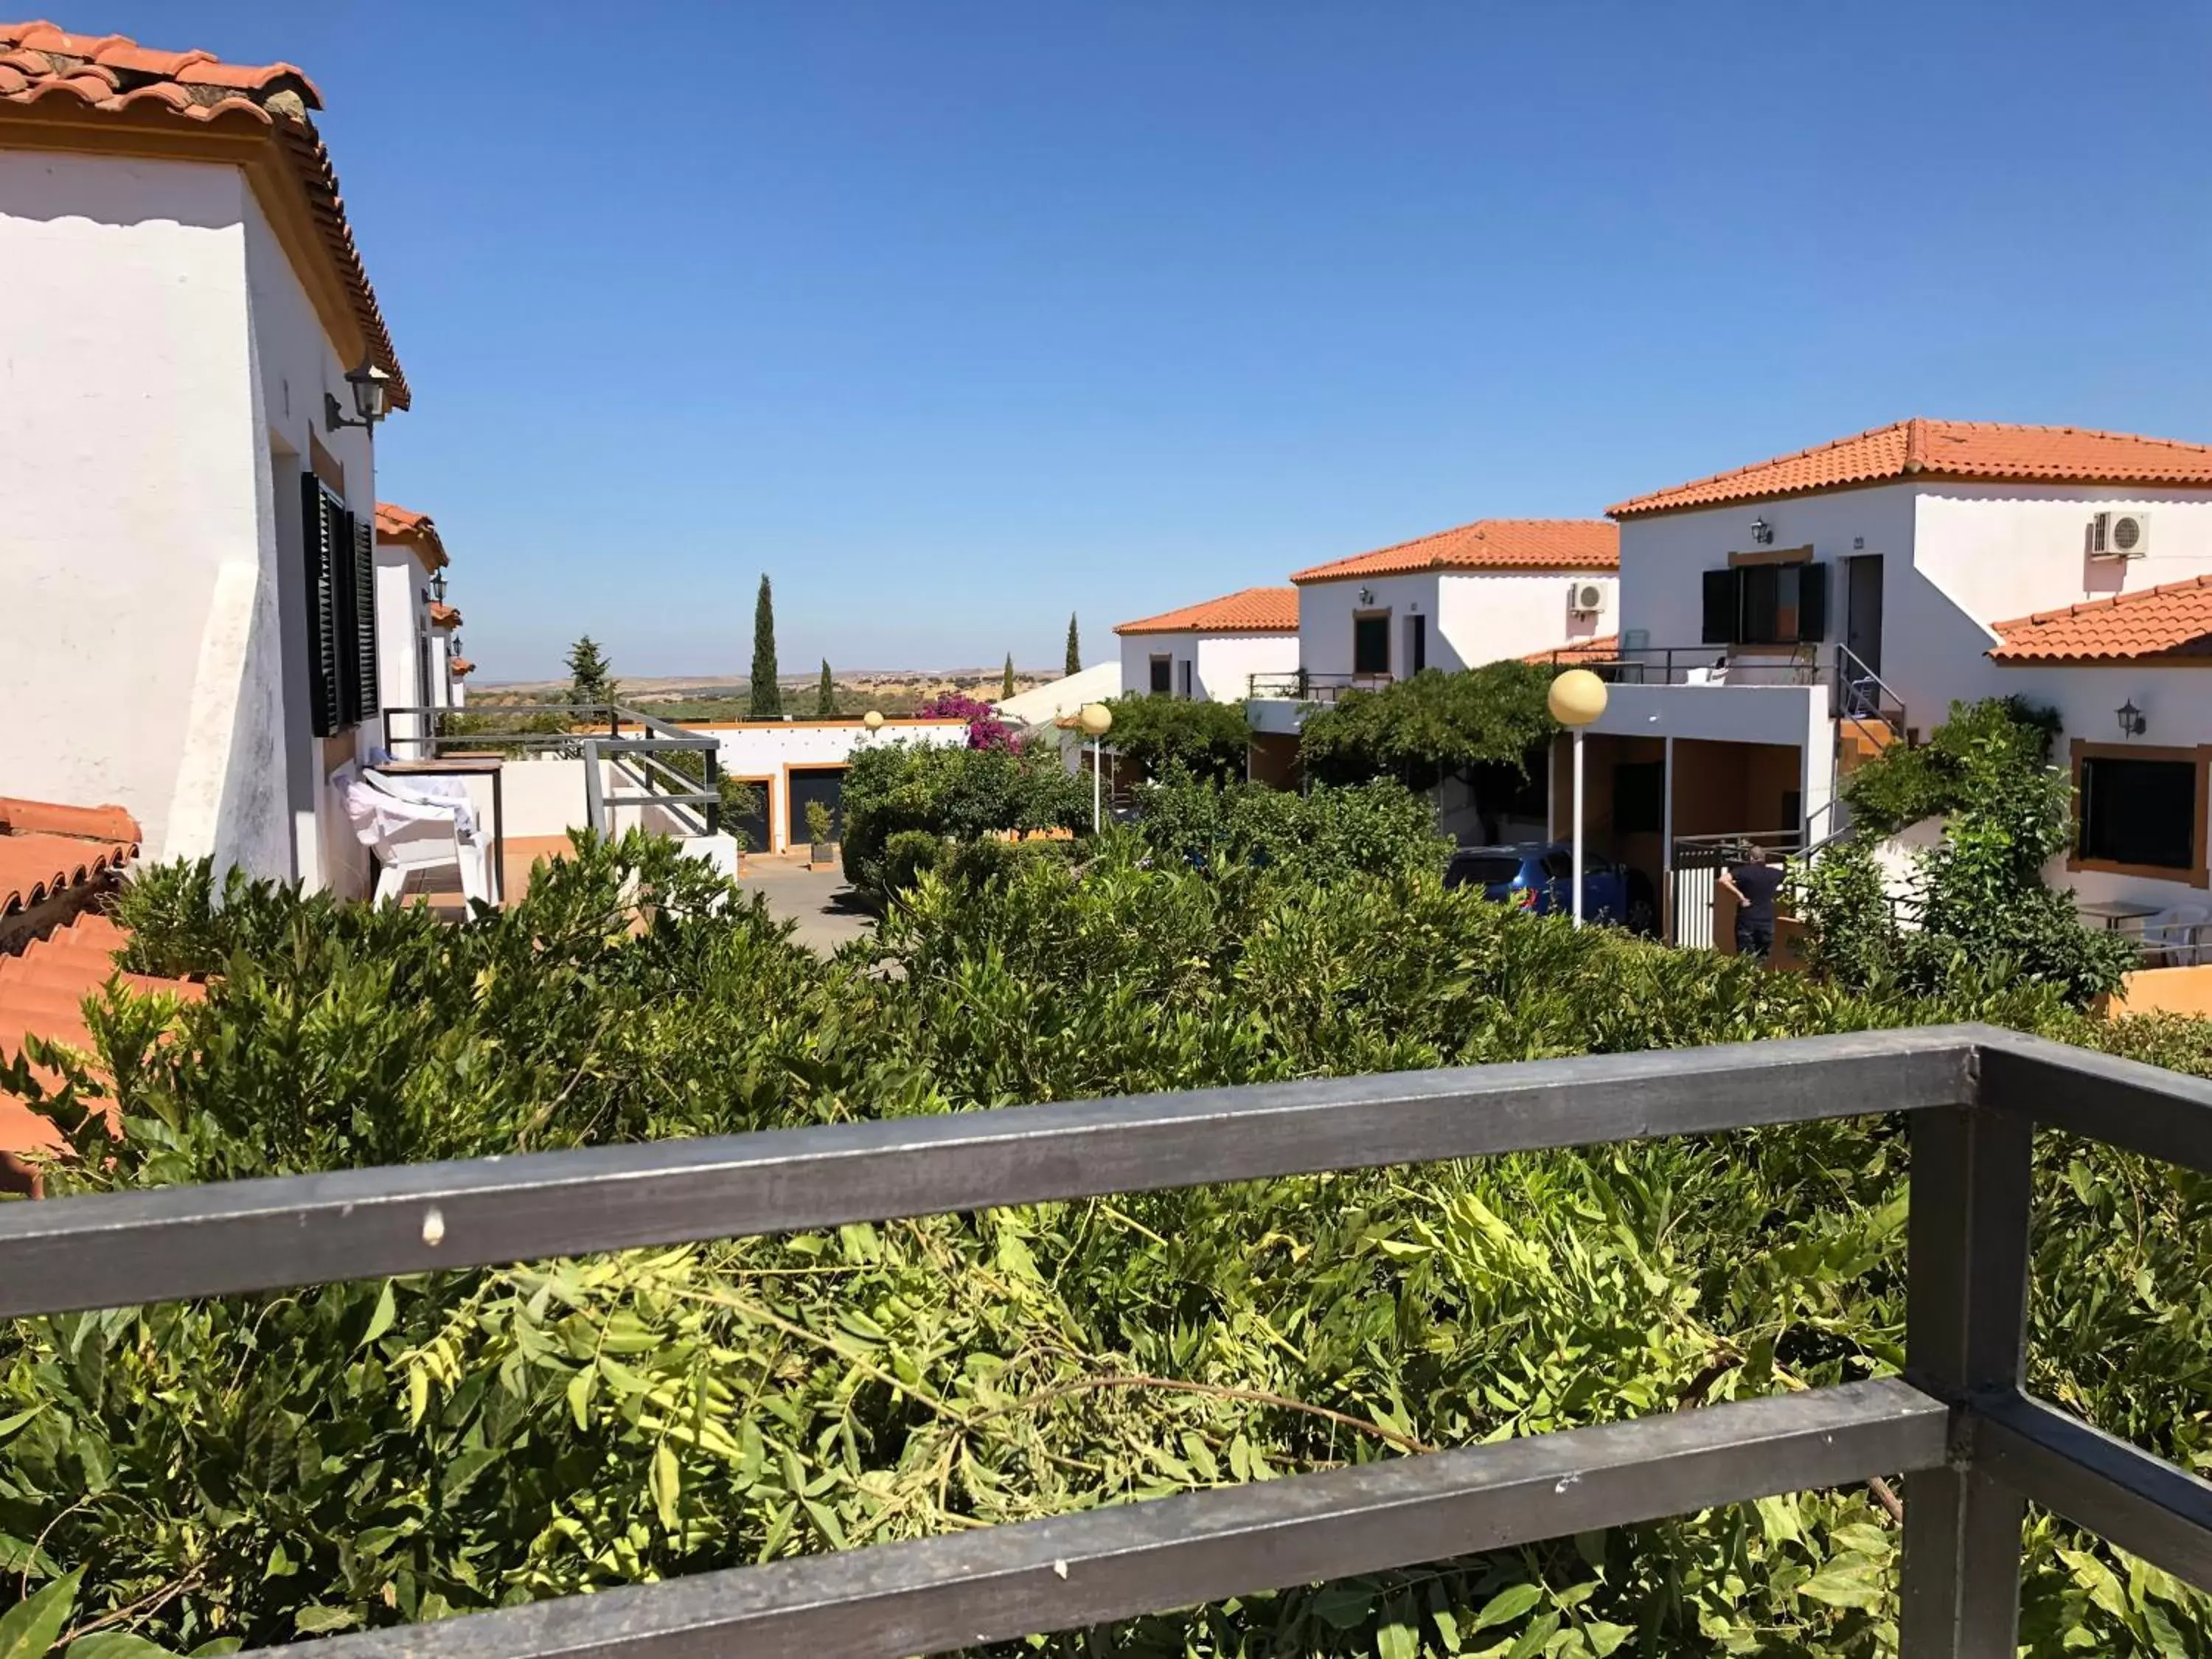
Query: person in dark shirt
{"x": 1753, "y": 884}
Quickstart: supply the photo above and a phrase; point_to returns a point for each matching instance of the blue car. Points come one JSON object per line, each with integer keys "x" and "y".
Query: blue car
{"x": 1538, "y": 877}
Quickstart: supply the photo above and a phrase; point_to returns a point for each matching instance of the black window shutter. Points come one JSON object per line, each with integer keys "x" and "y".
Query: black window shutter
{"x": 367, "y": 702}
{"x": 1762, "y": 602}
{"x": 1723, "y": 606}
{"x": 1812, "y": 603}
{"x": 318, "y": 527}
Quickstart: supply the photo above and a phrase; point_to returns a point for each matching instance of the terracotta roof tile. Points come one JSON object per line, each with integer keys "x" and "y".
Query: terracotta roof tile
{"x": 50, "y": 76}
{"x": 1605, "y": 648}
{"x": 444, "y": 616}
{"x": 2170, "y": 623}
{"x": 46, "y": 849}
{"x": 1488, "y": 544}
{"x": 1248, "y": 610}
{"x": 1988, "y": 450}
{"x": 42, "y": 992}
{"x": 395, "y": 522}
{"x": 460, "y": 668}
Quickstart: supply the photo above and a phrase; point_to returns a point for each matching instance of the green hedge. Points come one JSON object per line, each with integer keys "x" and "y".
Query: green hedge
{"x": 956, "y": 795}
{"x": 259, "y": 1469}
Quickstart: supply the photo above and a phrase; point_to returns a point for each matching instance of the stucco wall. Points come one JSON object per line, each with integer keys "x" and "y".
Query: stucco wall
{"x": 403, "y": 625}
{"x": 1227, "y": 662}
{"x": 1137, "y": 651}
{"x": 1474, "y": 617}
{"x": 125, "y": 407}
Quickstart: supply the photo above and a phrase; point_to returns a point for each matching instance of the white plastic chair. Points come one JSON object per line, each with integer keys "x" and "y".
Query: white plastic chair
{"x": 405, "y": 835}
{"x": 2175, "y": 936}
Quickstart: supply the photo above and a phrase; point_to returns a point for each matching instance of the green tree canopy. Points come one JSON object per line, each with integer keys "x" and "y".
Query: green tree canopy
{"x": 1006, "y": 684}
{"x": 1074, "y": 646}
{"x": 767, "y": 703}
{"x": 1434, "y": 725}
{"x": 590, "y": 677}
{"x": 1205, "y": 738}
{"x": 825, "y": 696}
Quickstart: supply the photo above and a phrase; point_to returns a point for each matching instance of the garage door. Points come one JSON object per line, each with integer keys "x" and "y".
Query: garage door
{"x": 823, "y": 783}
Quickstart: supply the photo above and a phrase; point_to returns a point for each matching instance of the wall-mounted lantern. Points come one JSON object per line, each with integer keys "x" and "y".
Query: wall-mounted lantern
{"x": 2132, "y": 723}
{"x": 438, "y": 587}
{"x": 1762, "y": 533}
{"x": 368, "y": 383}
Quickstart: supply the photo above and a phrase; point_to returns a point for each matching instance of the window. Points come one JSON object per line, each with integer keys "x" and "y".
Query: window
{"x": 2140, "y": 810}
{"x": 341, "y": 587}
{"x": 1163, "y": 676}
{"x": 1370, "y": 643}
{"x": 1767, "y": 604}
{"x": 1182, "y": 677}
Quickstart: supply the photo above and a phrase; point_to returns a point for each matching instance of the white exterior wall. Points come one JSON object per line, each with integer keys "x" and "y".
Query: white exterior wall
{"x": 1137, "y": 651}
{"x": 403, "y": 628}
{"x": 1227, "y": 662}
{"x": 1475, "y": 616}
{"x": 165, "y": 394}
{"x": 764, "y": 752}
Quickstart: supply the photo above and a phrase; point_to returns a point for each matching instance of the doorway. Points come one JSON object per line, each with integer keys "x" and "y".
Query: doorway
{"x": 804, "y": 784}
{"x": 1862, "y": 611}
{"x": 1417, "y": 644}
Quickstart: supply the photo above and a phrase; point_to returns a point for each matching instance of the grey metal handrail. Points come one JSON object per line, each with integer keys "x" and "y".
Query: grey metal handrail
{"x": 1973, "y": 1447}
{"x": 695, "y": 801}
{"x": 1738, "y": 666}
{"x": 1305, "y": 687}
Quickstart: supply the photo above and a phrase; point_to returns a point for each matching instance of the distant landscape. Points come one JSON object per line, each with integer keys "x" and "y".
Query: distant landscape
{"x": 711, "y": 697}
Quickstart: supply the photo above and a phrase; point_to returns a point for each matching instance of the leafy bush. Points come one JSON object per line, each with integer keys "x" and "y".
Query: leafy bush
{"x": 956, "y": 794}
{"x": 819, "y": 827}
{"x": 1433, "y": 726}
{"x": 1327, "y": 835}
{"x": 256, "y": 1468}
{"x": 1162, "y": 735}
{"x": 907, "y": 853}
{"x": 1980, "y": 905}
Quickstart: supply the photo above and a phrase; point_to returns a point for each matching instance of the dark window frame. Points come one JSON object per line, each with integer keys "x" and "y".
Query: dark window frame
{"x": 2082, "y": 753}
{"x": 1161, "y": 680}
{"x": 1368, "y": 627}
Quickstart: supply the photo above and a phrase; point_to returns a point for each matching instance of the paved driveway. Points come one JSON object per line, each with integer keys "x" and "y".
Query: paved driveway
{"x": 817, "y": 900}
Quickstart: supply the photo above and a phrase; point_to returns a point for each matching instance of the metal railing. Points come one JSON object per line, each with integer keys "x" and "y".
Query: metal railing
{"x": 1304, "y": 687}
{"x": 1973, "y": 1447}
{"x": 1700, "y": 665}
{"x": 666, "y": 765}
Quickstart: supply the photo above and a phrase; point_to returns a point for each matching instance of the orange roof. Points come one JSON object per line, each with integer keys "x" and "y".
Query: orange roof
{"x": 1488, "y": 544}
{"x": 1605, "y": 648}
{"x": 42, "y": 992}
{"x": 395, "y": 522}
{"x": 460, "y": 668}
{"x": 1248, "y": 610}
{"x": 108, "y": 94}
{"x": 1990, "y": 450}
{"x": 444, "y": 616}
{"x": 46, "y": 849}
{"x": 2172, "y": 623}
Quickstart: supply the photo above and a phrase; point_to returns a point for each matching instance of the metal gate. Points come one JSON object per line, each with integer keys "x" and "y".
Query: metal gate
{"x": 1694, "y": 872}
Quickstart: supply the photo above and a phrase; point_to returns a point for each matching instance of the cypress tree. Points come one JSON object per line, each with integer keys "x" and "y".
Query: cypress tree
{"x": 767, "y": 698}
{"x": 825, "y": 700}
{"x": 1006, "y": 685}
{"x": 1074, "y": 647}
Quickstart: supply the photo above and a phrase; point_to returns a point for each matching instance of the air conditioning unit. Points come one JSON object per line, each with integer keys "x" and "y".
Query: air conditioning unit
{"x": 1586, "y": 598}
{"x": 2119, "y": 534}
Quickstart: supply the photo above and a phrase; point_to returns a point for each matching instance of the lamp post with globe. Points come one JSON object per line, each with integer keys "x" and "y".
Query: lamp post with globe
{"x": 1577, "y": 699}
{"x": 1096, "y": 720}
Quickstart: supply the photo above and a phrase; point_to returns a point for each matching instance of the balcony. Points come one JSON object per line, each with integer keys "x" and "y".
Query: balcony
{"x": 1279, "y": 703}
{"x": 1973, "y": 1448}
{"x": 536, "y": 771}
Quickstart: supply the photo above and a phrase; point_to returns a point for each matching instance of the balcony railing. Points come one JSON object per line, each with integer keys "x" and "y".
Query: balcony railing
{"x": 1302, "y": 687}
{"x": 665, "y": 765}
{"x": 1973, "y": 1447}
{"x": 1703, "y": 665}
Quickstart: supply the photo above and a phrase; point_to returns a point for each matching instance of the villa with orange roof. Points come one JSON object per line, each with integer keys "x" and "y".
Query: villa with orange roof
{"x": 1211, "y": 650}
{"x": 1780, "y": 622}
{"x": 197, "y": 594}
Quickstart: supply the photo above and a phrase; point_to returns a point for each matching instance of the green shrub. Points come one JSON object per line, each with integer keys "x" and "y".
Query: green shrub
{"x": 1159, "y": 735}
{"x": 1433, "y": 726}
{"x": 907, "y": 853}
{"x": 960, "y": 795}
{"x": 258, "y": 1468}
{"x": 1325, "y": 836}
{"x": 819, "y": 826}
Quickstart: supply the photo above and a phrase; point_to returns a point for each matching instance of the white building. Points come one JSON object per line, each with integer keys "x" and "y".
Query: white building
{"x": 1780, "y": 622}
{"x": 1488, "y": 591}
{"x": 416, "y": 641}
{"x": 184, "y": 306}
{"x": 1212, "y": 650}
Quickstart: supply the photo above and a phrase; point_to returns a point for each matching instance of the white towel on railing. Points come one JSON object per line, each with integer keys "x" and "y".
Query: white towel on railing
{"x": 447, "y": 795}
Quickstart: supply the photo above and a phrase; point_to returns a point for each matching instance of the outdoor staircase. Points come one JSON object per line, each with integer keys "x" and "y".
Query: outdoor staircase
{"x": 1859, "y": 740}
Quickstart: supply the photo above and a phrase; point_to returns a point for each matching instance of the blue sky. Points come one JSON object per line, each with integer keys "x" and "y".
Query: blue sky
{"x": 958, "y": 317}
